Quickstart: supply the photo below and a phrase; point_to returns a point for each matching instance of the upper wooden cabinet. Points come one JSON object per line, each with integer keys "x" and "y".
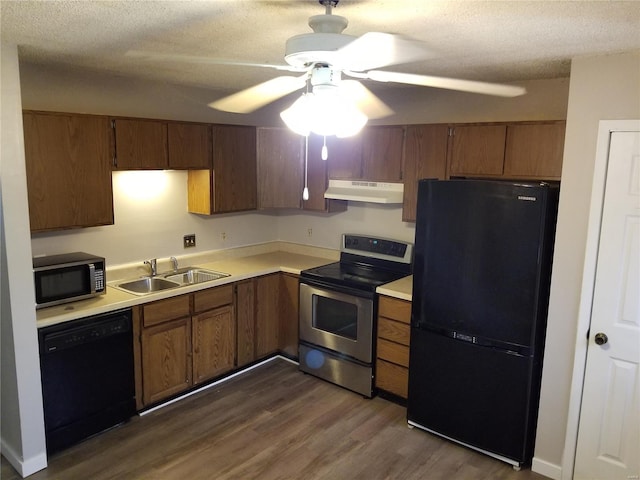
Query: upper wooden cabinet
{"x": 140, "y": 144}
{"x": 345, "y": 157}
{"x": 425, "y": 156}
{"x": 518, "y": 151}
{"x": 477, "y": 149}
{"x": 280, "y": 168}
{"x": 382, "y": 153}
{"x": 68, "y": 168}
{"x": 375, "y": 154}
{"x": 231, "y": 185}
{"x": 534, "y": 151}
{"x": 189, "y": 145}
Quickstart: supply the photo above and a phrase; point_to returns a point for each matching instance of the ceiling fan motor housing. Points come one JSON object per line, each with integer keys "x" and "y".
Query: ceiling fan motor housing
{"x": 327, "y": 37}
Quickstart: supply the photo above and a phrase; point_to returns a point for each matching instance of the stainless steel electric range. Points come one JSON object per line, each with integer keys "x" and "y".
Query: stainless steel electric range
{"x": 338, "y": 309}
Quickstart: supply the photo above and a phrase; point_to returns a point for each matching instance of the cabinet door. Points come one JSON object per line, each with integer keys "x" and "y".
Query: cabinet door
{"x": 382, "y": 153}
{"x": 234, "y": 169}
{"x": 214, "y": 343}
{"x": 344, "y": 157}
{"x": 317, "y": 179}
{"x": 267, "y": 314}
{"x": 393, "y": 339}
{"x": 140, "y": 144}
{"x": 166, "y": 360}
{"x": 280, "y": 170}
{"x": 246, "y": 319}
{"x": 68, "y": 166}
{"x": 534, "y": 151}
{"x": 425, "y": 156}
{"x": 289, "y": 299}
{"x": 189, "y": 145}
{"x": 477, "y": 150}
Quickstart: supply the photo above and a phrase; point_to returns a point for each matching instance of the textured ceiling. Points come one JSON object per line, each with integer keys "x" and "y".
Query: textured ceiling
{"x": 497, "y": 41}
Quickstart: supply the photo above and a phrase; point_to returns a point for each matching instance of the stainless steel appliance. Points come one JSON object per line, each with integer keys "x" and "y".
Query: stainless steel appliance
{"x": 338, "y": 309}
{"x": 87, "y": 377}
{"x": 480, "y": 294}
{"x": 68, "y": 277}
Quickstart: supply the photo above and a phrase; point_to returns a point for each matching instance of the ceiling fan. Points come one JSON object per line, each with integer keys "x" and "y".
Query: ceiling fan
{"x": 325, "y": 55}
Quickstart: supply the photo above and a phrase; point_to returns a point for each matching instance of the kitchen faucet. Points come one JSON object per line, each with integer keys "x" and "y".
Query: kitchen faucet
{"x": 174, "y": 262}
{"x": 153, "y": 264}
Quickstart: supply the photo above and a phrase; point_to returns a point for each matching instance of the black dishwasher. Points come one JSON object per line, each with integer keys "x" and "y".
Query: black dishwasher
{"x": 87, "y": 377}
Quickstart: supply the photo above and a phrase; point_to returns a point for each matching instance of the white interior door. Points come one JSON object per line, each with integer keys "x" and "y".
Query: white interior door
{"x": 609, "y": 429}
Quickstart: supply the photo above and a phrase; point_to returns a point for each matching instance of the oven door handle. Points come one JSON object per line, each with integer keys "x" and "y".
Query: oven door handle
{"x": 370, "y": 295}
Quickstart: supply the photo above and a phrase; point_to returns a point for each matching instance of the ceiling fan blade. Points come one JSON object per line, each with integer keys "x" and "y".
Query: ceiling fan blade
{"x": 486, "y": 88}
{"x": 206, "y": 60}
{"x": 375, "y": 50}
{"x": 366, "y": 101}
{"x": 252, "y": 98}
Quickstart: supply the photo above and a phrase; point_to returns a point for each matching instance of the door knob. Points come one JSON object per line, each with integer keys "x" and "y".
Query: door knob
{"x": 601, "y": 338}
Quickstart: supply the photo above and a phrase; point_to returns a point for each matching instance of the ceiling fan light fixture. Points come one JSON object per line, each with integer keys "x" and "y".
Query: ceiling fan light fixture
{"x": 324, "y": 112}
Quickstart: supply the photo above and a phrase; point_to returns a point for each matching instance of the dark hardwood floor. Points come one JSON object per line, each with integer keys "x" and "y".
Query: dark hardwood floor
{"x": 272, "y": 423}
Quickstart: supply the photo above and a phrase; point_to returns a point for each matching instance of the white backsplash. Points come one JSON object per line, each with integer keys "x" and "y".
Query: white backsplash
{"x": 151, "y": 218}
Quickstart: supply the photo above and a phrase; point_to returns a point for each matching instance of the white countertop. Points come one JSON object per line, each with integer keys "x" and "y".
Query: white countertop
{"x": 238, "y": 268}
{"x": 402, "y": 289}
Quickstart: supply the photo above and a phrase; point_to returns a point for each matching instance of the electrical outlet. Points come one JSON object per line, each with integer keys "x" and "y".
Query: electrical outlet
{"x": 309, "y": 232}
{"x": 189, "y": 240}
{"x": 223, "y": 236}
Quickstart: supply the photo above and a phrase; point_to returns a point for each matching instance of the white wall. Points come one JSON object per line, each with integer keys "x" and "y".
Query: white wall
{"x": 21, "y": 415}
{"x": 602, "y": 88}
{"x": 150, "y": 212}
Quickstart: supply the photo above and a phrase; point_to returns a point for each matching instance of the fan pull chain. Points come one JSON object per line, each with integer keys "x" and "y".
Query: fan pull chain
{"x": 305, "y": 191}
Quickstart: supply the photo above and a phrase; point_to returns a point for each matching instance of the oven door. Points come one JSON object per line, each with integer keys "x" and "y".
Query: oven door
{"x": 338, "y": 321}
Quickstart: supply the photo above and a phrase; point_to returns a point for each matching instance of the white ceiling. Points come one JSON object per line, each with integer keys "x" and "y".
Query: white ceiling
{"x": 496, "y": 41}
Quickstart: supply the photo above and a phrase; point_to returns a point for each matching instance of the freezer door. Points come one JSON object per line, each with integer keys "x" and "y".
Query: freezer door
{"x": 482, "y": 255}
{"x": 479, "y": 396}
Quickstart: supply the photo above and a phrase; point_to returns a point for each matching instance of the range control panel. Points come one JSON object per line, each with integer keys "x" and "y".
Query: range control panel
{"x": 377, "y": 247}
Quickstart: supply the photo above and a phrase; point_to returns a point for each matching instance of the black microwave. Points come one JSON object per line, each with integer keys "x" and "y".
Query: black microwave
{"x": 68, "y": 277}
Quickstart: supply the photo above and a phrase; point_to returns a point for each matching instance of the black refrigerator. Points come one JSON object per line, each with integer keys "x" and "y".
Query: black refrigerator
{"x": 481, "y": 279}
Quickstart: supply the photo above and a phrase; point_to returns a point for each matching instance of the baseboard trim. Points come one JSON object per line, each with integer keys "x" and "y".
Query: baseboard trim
{"x": 547, "y": 469}
{"x": 24, "y": 467}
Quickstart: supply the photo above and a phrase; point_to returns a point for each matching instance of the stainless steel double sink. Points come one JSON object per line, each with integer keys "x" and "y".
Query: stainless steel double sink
{"x": 167, "y": 280}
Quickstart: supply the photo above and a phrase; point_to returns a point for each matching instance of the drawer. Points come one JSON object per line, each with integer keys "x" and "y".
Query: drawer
{"x": 164, "y": 310}
{"x": 399, "y": 310}
{"x": 392, "y": 378}
{"x": 395, "y": 331}
{"x": 212, "y": 298}
{"x": 393, "y": 352}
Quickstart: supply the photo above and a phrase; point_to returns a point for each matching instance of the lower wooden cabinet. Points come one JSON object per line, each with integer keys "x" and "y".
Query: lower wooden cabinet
{"x": 166, "y": 360}
{"x": 267, "y": 314}
{"x": 246, "y": 321}
{"x": 267, "y": 317}
{"x": 289, "y": 307}
{"x": 392, "y": 353}
{"x": 190, "y": 339}
{"x": 213, "y": 339}
{"x": 184, "y": 341}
